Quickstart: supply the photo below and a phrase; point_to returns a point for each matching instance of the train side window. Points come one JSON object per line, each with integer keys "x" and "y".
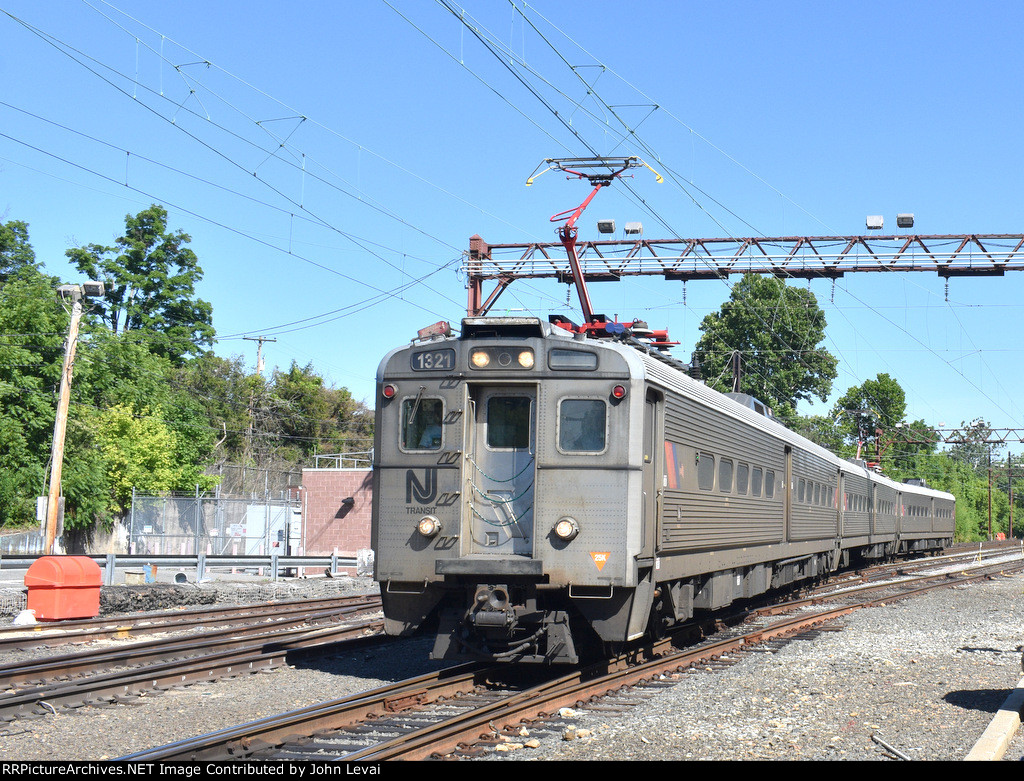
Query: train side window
{"x": 801, "y": 488}
{"x": 755, "y": 481}
{"x": 742, "y": 478}
{"x": 582, "y": 425}
{"x": 705, "y": 471}
{"x": 725, "y": 476}
{"x": 769, "y": 484}
{"x": 421, "y": 424}
{"x": 508, "y": 422}
{"x": 817, "y": 494}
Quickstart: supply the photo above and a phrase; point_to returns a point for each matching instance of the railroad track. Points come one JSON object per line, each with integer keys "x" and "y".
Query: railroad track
{"x": 447, "y": 713}
{"x": 52, "y": 634}
{"x": 876, "y": 572}
{"x": 105, "y": 674}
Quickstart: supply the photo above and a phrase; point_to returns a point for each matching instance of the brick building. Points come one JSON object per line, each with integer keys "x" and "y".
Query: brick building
{"x": 336, "y": 511}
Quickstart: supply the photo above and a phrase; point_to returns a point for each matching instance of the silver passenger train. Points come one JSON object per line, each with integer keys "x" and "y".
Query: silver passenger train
{"x": 543, "y": 495}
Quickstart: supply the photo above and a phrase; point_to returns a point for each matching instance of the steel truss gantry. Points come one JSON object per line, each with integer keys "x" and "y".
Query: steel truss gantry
{"x": 794, "y": 257}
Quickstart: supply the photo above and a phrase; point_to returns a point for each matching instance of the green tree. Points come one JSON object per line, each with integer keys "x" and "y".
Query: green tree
{"x": 16, "y": 253}
{"x": 820, "y": 429}
{"x": 909, "y": 441}
{"x": 138, "y": 453}
{"x": 973, "y": 444}
{"x": 777, "y": 330}
{"x": 111, "y": 372}
{"x": 224, "y": 389}
{"x": 150, "y": 277}
{"x": 315, "y": 418}
{"x": 32, "y": 325}
{"x": 864, "y": 410}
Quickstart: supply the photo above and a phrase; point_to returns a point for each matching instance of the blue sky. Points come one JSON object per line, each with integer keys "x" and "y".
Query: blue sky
{"x": 330, "y": 160}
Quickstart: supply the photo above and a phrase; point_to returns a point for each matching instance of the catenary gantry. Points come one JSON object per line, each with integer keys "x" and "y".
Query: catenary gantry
{"x": 797, "y": 257}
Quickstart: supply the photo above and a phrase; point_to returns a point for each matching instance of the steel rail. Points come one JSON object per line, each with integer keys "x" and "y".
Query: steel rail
{"x": 121, "y": 627}
{"x": 572, "y": 690}
{"x": 980, "y": 572}
{"x": 96, "y": 660}
{"x": 263, "y": 737}
{"x": 243, "y": 739}
{"x": 259, "y": 654}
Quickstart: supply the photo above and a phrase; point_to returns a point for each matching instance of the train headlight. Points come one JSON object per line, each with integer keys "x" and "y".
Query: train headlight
{"x": 566, "y": 528}
{"x": 428, "y": 526}
{"x": 480, "y": 359}
{"x": 526, "y": 359}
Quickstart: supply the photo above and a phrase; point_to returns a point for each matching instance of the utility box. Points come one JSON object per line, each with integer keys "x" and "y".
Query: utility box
{"x": 61, "y": 587}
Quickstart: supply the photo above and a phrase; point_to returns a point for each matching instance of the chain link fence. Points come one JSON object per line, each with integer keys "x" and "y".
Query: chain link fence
{"x": 214, "y": 526}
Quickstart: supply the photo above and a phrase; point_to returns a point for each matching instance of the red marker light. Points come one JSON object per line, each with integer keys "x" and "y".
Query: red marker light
{"x": 389, "y": 391}
{"x": 619, "y": 392}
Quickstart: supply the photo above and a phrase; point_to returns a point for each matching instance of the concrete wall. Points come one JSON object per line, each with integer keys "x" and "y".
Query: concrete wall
{"x": 329, "y": 524}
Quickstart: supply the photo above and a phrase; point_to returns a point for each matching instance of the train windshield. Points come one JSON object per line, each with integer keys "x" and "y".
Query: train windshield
{"x": 421, "y": 424}
{"x": 582, "y": 425}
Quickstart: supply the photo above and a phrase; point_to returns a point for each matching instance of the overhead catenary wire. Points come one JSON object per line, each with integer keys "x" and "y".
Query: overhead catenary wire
{"x": 617, "y": 138}
{"x": 633, "y": 136}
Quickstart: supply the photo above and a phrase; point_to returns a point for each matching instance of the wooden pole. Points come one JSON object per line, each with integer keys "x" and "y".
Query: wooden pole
{"x": 1009, "y": 477}
{"x": 61, "y": 424}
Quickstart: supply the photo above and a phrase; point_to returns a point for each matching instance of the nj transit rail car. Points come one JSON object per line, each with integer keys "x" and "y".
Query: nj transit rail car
{"x": 541, "y": 495}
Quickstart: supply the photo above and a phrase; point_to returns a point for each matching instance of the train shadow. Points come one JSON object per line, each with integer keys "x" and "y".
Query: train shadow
{"x": 393, "y": 659}
{"x": 983, "y": 700}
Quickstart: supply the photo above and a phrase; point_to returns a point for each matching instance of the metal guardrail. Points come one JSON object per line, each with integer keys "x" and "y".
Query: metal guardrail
{"x": 111, "y": 562}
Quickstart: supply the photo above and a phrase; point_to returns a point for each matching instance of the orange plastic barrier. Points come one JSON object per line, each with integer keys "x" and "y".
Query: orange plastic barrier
{"x": 62, "y": 587}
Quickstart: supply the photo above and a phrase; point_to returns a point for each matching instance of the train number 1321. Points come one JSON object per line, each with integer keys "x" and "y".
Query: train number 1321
{"x": 433, "y": 360}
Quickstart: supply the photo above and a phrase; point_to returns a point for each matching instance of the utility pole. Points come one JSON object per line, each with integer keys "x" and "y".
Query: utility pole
{"x": 259, "y": 349}
{"x": 1009, "y": 478}
{"x": 990, "y": 492}
{"x": 252, "y": 401}
{"x": 76, "y": 292}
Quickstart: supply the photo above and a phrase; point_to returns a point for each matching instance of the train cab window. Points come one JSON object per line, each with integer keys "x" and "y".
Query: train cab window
{"x": 508, "y": 422}
{"x": 742, "y": 478}
{"x": 756, "y": 478}
{"x": 421, "y": 424}
{"x": 769, "y": 484}
{"x": 705, "y": 471}
{"x": 725, "y": 476}
{"x": 582, "y": 425}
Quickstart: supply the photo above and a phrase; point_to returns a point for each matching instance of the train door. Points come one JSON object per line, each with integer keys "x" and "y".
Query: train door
{"x": 653, "y": 472}
{"x": 787, "y": 496}
{"x": 501, "y": 471}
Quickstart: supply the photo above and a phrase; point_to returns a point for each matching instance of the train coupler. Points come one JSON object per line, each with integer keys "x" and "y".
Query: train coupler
{"x": 498, "y": 627}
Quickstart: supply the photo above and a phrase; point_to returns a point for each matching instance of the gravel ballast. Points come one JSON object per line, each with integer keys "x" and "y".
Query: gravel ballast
{"x": 919, "y": 679}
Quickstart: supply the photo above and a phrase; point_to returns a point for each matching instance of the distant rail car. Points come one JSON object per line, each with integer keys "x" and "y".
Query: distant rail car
{"x": 543, "y": 495}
